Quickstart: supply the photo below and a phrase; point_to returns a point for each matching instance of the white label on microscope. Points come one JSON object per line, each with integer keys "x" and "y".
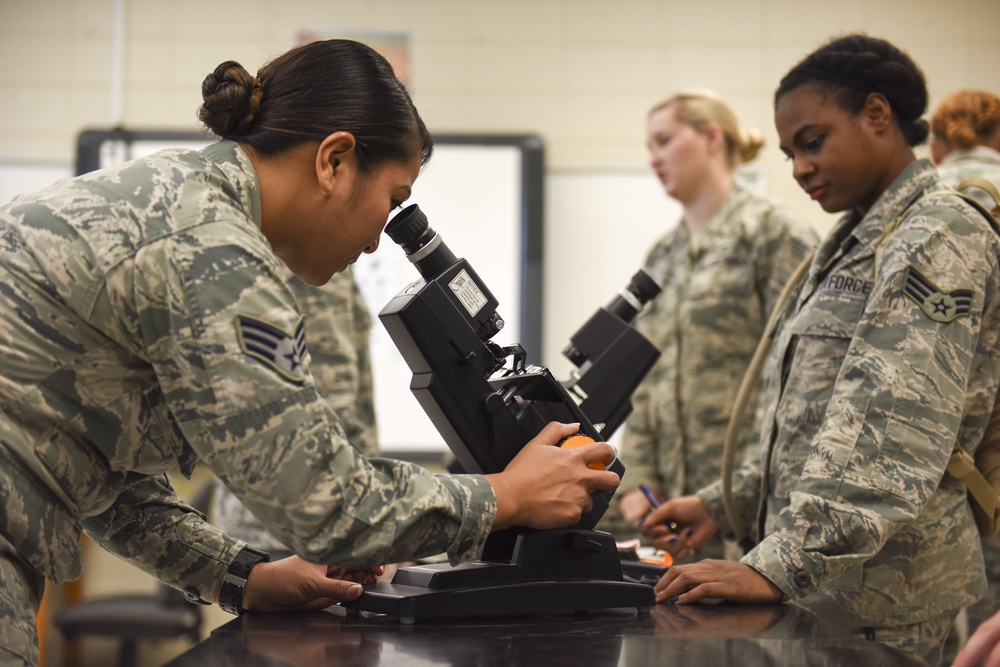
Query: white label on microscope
{"x": 468, "y": 292}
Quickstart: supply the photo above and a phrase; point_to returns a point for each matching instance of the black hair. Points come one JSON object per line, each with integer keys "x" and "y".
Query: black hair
{"x": 312, "y": 91}
{"x": 850, "y": 68}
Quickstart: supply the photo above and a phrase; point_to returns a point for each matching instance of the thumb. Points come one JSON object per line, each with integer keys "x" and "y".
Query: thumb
{"x": 554, "y": 432}
{"x": 338, "y": 589}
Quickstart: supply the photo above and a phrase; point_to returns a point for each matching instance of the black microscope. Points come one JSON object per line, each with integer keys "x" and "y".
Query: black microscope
{"x": 486, "y": 409}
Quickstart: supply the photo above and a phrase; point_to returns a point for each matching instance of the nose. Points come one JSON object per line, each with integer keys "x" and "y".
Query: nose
{"x": 802, "y": 168}
{"x": 654, "y": 159}
{"x": 371, "y": 247}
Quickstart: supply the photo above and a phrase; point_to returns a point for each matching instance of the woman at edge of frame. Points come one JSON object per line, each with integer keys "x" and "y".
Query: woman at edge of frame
{"x": 887, "y": 354}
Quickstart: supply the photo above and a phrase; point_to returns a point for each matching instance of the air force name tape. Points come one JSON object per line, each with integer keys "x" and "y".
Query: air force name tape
{"x": 937, "y": 305}
{"x": 279, "y": 350}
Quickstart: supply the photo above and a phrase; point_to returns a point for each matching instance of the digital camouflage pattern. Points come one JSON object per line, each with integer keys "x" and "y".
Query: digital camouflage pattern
{"x": 866, "y": 394}
{"x": 337, "y": 328}
{"x": 121, "y": 294}
{"x": 18, "y": 584}
{"x": 718, "y": 291}
{"x": 975, "y": 162}
{"x": 978, "y": 162}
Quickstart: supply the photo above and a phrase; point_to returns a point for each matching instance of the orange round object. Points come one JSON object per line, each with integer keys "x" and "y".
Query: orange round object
{"x": 666, "y": 560}
{"x": 579, "y": 441}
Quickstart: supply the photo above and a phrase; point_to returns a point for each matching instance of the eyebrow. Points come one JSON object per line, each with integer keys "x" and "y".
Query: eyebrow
{"x": 797, "y": 137}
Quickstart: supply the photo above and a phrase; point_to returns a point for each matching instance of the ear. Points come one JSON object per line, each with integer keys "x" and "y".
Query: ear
{"x": 716, "y": 137}
{"x": 877, "y": 112}
{"x": 336, "y": 158}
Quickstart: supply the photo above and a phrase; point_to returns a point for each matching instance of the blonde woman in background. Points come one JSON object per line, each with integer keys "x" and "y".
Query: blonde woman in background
{"x": 721, "y": 270}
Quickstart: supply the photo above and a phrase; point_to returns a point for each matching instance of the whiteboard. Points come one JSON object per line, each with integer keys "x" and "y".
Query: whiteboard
{"x": 482, "y": 193}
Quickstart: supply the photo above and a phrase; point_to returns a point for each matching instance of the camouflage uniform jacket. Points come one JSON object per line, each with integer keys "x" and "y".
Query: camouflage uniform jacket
{"x": 338, "y": 325}
{"x": 975, "y": 162}
{"x": 958, "y": 165}
{"x": 130, "y": 301}
{"x": 873, "y": 376}
{"x": 706, "y": 322}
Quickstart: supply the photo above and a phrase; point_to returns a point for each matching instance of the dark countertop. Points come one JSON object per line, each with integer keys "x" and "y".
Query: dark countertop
{"x": 714, "y": 635}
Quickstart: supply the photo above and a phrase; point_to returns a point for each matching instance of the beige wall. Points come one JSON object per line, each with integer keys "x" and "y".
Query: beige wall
{"x": 581, "y": 73}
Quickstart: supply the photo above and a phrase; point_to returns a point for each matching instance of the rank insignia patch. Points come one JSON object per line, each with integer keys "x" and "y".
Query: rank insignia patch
{"x": 939, "y": 306}
{"x": 267, "y": 343}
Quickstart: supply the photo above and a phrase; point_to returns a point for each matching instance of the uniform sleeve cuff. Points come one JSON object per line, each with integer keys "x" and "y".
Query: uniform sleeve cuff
{"x": 479, "y": 509}
{"x": 711, "y": 495}
{"x": 786, "y": 566}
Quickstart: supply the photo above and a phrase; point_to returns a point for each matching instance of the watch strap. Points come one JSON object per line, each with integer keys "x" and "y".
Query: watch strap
{"x": 234, "y": 582}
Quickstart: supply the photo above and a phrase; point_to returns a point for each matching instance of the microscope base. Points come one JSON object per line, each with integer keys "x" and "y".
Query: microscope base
{"x": 559, "y": 571}
{"x": 411, "y": 603}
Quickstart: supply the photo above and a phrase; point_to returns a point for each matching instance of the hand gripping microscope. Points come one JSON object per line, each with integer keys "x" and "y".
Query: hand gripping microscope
{"x": 487, "y": 409}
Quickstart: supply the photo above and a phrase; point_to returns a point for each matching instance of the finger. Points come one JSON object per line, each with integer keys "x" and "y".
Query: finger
{"x": 993, "y": 660}
{"x": 656, "y": 531}
{"x": 338, "y": 590}
{"x": 359, "y": 576}
{"x": 677, "y": 580}
{"x": 666, "y": 579}
{"x": 976, "y": 648}
{"x": 674, "y": 544}
{"x": 364, "y": 577}
{"x": 690, "y": 595}
{"x": 661, "y": 515}
{"x": 598, "y": 452}
{"x": 554, "y": 432}
{"x": 603, "y": 481}
{"x": 687, "y": 535}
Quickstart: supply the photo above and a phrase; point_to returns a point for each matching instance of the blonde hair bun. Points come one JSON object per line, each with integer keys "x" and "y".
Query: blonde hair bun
{"x": 700, "y": 107}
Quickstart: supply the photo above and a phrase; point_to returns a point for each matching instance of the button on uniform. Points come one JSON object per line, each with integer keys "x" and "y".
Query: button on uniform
{"x": 802, "y": 579}
{"x": 191, "y": 595}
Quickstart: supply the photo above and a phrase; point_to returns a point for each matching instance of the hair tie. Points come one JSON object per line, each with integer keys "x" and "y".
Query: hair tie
{"x": 256, "y": 96}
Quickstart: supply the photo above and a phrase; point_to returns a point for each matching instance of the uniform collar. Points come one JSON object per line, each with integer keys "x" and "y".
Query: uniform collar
{"x": 233, "y": 161}
{"x": 974, "y": 154}
{"x": 914, "y": 180}
{"x": 723, "y": 224}
{"x": 850, "y": 231}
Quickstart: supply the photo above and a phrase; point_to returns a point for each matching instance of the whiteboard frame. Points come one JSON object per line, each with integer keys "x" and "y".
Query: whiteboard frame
{"x": 528, "y": 225}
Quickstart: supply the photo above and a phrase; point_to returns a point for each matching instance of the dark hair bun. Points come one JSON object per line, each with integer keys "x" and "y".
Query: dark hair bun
{"x": 231, "y": 98}
{"x": 856, "y": 65}
{"x": 308, "y": 93}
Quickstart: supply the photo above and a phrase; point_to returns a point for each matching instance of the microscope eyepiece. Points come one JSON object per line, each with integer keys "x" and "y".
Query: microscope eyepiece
{"x": 643, "y": 286}
{"x": 636, "y": 294}
{"x": 407, "y": 227}
{"x": 423, "y": 246}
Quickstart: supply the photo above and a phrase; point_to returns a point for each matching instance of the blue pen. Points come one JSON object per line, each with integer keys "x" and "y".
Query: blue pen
{"x": 649, "y": 496}
{"x": 654, "y": 501}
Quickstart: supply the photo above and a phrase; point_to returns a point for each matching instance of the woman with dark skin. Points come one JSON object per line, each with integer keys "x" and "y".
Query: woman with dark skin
{"x": 884, "y": 357}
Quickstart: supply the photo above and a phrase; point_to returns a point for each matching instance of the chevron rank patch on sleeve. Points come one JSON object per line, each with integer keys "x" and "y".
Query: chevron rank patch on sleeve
{"x": 267, "y": 343}
{"x": 937, "y": 305}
